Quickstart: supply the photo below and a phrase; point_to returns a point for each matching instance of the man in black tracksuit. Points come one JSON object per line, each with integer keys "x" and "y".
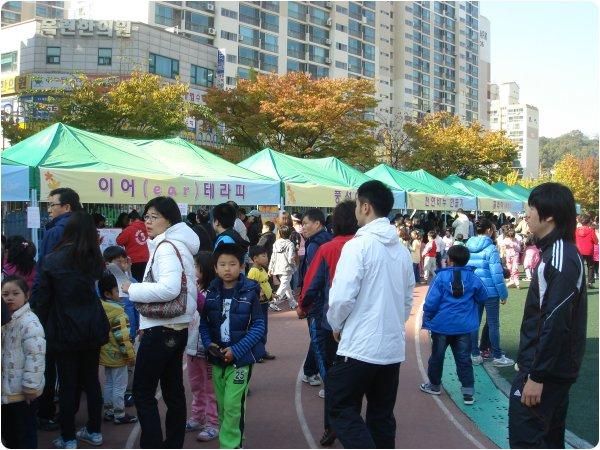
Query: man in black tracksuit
{"x": 553, "y": 330}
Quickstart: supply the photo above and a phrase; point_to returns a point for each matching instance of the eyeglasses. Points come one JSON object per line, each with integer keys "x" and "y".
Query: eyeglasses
{"x": 149, "y": 218}
{"x": 52, "y": 205}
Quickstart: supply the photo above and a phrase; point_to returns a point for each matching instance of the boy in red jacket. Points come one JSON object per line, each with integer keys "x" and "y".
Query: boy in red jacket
{"x": 134, "y": 238}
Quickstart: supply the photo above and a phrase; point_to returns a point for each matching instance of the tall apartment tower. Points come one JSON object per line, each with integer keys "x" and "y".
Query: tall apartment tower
{"x": 521, "y": 123}
{"x": 422, "y": 56}
{"x": 484, "y": 71}
{"x": 20, "y": 11}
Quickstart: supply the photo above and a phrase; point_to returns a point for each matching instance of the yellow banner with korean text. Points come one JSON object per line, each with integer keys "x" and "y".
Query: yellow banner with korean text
{"x": 123, "y": 188}
{"x": 313, "y": 195}
{"x": 432, "y": 202}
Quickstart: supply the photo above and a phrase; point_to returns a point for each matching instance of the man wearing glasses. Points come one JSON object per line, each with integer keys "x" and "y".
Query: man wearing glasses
{"x": 62, "y": 203}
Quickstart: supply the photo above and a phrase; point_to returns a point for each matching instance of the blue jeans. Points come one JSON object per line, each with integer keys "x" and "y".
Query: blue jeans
{"x": 417, "y": 272}
{"x": 492, "y": 311}
{"x": 461, "y": 348}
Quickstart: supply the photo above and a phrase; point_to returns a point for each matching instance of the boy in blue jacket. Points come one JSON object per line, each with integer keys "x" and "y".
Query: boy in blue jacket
{"x": 232, "y": 327}
{"x": 451, "y": 313}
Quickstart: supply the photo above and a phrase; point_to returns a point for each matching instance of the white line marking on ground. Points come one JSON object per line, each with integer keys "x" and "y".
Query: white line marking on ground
{"x": 136, "y": 428}
{"x": 300, "y": 412}
{"x": 443, "y": 407}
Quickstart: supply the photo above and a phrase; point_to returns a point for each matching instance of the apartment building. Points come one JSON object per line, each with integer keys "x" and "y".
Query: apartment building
{"x": 521, "y": 123}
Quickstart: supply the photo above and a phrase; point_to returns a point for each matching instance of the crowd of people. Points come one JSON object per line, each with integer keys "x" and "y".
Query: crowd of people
{"x": 203, "y": 286}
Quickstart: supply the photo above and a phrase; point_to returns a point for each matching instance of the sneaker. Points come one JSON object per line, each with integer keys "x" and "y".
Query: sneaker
{"x": 476, "y": 360}
{"x": 486, "y": 354}
{"x": 208, "y": 434}
{"x": 60, "y": 443}
{"x": 313, "y": 380}
{"x": 47, "y": 424}
{"x": 192, "y": 425}
{"x": 328, "y": 438}
{"x": 430, "y": 389}
{"x": 322, "y": 393}
{"x": 503, "y": 361}
{"x": 91, "y": 438}
{"x": 268, "y": 356}
{"x": 129, "y": 402}
{"x": 109, "y": 415}
{"x": 274, "y": 307}
{"x": 127, "y": 418}
{"x": 468, "y": 399}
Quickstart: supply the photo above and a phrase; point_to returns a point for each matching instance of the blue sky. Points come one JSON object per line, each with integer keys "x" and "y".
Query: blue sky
{"x": 550, "y": 49}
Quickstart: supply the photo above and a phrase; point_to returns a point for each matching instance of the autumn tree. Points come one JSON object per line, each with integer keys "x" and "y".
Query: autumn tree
{"x": 581, "y": 176}
{"x": 299, "y": 115}
{"x": 141, "y": 106}
{"x": 393, "y": 142}
{"x": 442, "y": 145}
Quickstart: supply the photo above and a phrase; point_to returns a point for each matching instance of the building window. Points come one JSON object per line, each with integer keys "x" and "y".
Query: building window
{"x": 202, "y": 76}
{"x": 229, "y": 36}
{"x": 163, "y": 66}
{"x": 105, "y": 56}
{"x": 248, "y": 57}
{"x": 296, "y": 49}
{"x": 164, "y": 15}
{"x": 231, "y": 81}
{"x": 342, "y": 47}
{"x": 203, "y": 6}
{"x": 340, "y": 27}
{"x": 232, "y": 59}
{"x": 52, "y": 55}
{"x": 9, "y": 62}
{"x": 296, "y": 66}
{"x": 199, "y": 22}
{"x": 341, "y": 65}
{"x": 249, "y": 15}
{"x": 269, "y": 22}
{"x": 229, "y": 13}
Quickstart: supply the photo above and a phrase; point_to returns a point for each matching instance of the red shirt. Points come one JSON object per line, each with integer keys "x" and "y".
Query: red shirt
{"x": 433, "y": 250}
{"x": 134, "y": 238}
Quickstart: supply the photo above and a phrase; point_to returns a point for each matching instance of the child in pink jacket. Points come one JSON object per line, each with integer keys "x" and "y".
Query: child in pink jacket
{"x": 512, "y": 253}
{"x": 531, "y": 259}
{"x": 204, "y": 403}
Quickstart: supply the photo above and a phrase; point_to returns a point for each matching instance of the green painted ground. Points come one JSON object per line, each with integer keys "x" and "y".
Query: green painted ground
{"x": 583, "y": 408}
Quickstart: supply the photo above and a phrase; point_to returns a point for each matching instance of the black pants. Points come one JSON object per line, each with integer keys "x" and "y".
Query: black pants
{"x": 19, "y": 428}
{"x": 348, "y": 381}
{"x": 330, "y": 347}
{"x": 75, "y": 369}
{"x": 137, "y": 270}
{"x": 589, "y": 260}
{"x": 541, "y": 426}
{"x": 46, "y": 407}
{"x": 310, "y": 362}
{"x": 160, "y": 359}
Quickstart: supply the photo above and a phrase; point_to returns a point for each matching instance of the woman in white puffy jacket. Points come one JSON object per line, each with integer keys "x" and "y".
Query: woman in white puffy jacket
{"x": 160, "y": 354}
{"x": 23, "y": 364}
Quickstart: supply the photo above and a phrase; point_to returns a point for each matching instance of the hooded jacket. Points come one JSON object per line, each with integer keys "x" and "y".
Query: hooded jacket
{"x": 134, "y": 238}
{"x": 23, "y": 356}
{"x": 282, "y": 259}
{"x": 443, "y": 313}
{"x": 315, "y": 293}
{"x": 586, "y": 238}
{"x": 166, "y": 269}
{"x": 486, "y": 260}
{"x": 246, "y": 322}
{"x": 372, "y": 295}
{"x": 553, "y": 331}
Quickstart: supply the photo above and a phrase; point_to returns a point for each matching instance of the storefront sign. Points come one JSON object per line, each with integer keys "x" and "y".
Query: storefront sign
{"x": 84, "y": 28}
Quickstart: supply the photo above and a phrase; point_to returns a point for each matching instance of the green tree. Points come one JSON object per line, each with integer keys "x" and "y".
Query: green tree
{"x": 300, "y": 116}
{"x": 552, "y": 150}
{"x": 442, "y": 145}
{"x": 141, "y": 106}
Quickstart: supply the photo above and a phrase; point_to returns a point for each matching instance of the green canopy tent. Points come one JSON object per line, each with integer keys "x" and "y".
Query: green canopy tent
{"x": 488, "y": 198}
{"x": 423, "y": 190}
{"x": 517, "y": 194}
{"x": 321, "y": 182}
{"x": 105, "y": 169}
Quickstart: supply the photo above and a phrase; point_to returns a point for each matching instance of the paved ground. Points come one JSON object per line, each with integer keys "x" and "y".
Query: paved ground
{"x": 285, "y": 413}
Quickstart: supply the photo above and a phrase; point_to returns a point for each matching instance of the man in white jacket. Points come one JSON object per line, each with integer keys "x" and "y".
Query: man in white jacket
{"x": 461, "y": 224}
{"x": 369, "y": 302}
